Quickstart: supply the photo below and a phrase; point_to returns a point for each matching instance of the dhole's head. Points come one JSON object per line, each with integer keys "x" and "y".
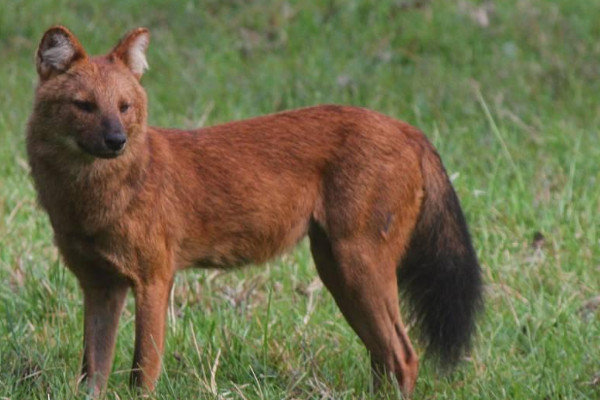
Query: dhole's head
{"x": 93, "y": 107}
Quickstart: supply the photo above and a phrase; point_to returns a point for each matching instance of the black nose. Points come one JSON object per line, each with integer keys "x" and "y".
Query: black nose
{"x": 115, "y": 141}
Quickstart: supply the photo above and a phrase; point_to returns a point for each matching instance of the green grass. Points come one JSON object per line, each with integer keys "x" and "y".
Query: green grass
{"x": 513, "y": 107}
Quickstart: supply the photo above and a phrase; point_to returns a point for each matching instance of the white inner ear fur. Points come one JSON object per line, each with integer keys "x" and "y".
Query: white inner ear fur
{"x": 60, "y": 54}
{"x": 136, "y": 54}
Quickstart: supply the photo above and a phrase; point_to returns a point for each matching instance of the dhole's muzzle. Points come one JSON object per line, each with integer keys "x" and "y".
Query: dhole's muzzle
{"x": 108, "y": 141}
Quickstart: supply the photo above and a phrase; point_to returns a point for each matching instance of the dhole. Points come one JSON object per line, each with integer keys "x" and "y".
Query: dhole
{"x": 132, "y": 204}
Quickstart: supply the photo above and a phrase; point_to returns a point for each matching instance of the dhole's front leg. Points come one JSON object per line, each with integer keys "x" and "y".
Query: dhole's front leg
{"x": 103, "y": 303}
{"x": 151, "y": 300}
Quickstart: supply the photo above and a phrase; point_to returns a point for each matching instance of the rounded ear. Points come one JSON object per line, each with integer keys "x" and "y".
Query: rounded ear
{"x": 59, "y": 49}
{"x": 131, "y": 49}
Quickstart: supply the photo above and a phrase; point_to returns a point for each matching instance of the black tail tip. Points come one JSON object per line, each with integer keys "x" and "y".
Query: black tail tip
{"x": 445, "y": 293}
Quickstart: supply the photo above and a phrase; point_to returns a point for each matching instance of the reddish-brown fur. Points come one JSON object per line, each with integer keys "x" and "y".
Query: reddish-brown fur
{"x": 227, "y": 195}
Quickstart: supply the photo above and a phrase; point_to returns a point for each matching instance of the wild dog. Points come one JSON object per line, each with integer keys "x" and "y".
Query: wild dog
{"x": 131, "y": 204}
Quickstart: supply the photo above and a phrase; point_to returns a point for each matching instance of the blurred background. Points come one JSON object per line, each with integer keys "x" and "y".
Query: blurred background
{"x": 508, "y": 91}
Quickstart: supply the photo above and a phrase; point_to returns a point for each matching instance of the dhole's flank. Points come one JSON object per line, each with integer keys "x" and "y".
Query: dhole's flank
{"x": 131, "y": 204}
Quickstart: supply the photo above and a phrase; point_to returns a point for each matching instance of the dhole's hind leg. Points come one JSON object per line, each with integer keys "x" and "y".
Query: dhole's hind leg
{"x": 366, "y": 293}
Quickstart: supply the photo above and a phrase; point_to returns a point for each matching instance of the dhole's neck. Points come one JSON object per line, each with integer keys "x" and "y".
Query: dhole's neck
{"x": 85, "y": 196}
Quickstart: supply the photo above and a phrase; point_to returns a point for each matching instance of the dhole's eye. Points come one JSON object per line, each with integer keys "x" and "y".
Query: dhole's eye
{"x": 86, "y": 106}
{"x": 123, "y": 107}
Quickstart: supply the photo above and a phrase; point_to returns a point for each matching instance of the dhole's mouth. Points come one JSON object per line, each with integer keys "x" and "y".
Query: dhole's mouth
{"x": 101, "y": 153}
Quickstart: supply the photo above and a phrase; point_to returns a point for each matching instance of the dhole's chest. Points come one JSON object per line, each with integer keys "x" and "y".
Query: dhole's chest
{"x": 110, "y": 251}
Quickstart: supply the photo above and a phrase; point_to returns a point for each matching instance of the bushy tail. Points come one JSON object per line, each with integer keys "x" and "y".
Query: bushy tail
{"x": 440, "y": 272}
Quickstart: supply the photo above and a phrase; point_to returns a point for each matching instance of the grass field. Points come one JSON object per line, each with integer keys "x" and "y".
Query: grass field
{"x": 508, "y": 91}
